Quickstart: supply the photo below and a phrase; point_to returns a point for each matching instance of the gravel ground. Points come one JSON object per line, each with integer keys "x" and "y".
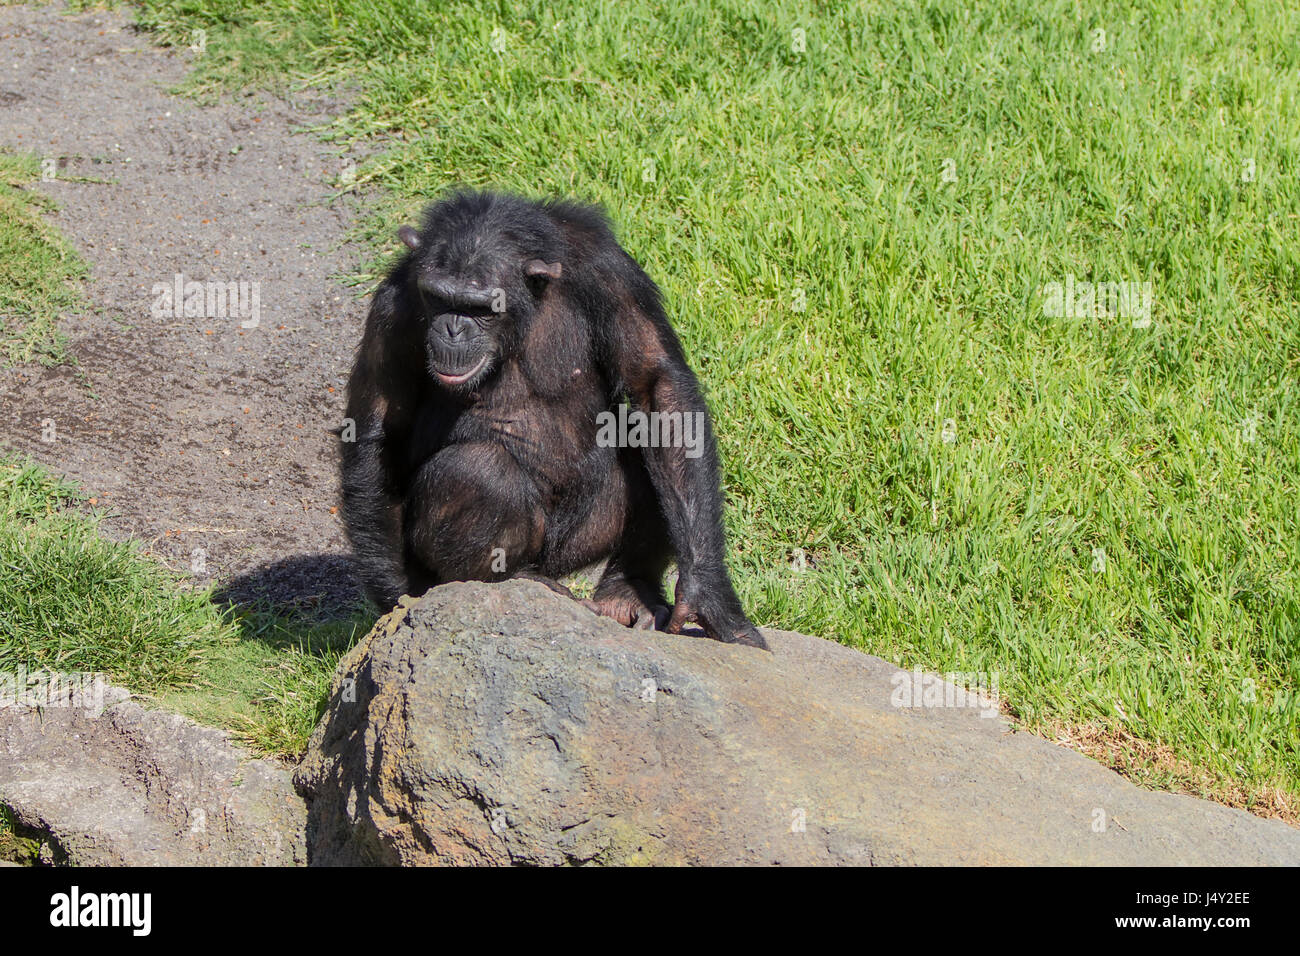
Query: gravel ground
{"x": 200, "y": 437}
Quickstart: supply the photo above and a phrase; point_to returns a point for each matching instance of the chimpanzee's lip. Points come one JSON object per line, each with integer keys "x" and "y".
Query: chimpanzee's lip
{"x": 464, "y": 377}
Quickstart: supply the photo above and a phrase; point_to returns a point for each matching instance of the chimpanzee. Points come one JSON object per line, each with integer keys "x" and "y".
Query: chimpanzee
{"x": 497, "y": 356}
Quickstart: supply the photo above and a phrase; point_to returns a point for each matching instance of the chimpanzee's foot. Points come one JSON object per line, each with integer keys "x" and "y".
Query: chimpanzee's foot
{"x": 633, "y": 603}
{"x": 630, "y": 612}
{"x": 622, "y": 605}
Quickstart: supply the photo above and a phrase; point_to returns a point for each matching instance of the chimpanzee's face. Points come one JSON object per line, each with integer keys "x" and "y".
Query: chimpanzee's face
{"x": 476, "y": 291}
{"x": 462, "y": 334}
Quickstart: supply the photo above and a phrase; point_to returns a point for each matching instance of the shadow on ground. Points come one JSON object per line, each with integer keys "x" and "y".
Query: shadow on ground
{"x": 308, "y": 601}
{"x": 313, "y": 588}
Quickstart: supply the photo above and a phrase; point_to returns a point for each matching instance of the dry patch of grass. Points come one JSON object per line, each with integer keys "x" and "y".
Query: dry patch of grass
{"x": 1157, "y": 766}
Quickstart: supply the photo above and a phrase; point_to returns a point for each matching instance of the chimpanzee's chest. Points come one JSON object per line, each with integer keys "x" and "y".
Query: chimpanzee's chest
{"x": 549, "y": 432}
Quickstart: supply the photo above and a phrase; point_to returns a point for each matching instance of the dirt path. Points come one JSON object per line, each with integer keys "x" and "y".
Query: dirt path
{"x": 204, "y": 435}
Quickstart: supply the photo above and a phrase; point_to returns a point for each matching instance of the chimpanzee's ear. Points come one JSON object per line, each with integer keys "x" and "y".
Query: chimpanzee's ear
{"x": 409, "y": 236}
{"x": 539, "y": 269}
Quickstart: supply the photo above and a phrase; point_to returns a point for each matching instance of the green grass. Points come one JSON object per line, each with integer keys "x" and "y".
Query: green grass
{"x": 72, "y": 601}
{"x": 842, "y": 300}
{"x": 270, "y": 686}
{"x": 38, "y": 269}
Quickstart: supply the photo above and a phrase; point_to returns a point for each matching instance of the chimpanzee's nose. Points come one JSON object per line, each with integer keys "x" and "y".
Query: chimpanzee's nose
{"x": 454, "y": 326}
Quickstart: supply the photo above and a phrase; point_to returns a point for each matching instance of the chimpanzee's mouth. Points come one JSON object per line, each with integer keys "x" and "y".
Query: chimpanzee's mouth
{"x": 461, "y": 378}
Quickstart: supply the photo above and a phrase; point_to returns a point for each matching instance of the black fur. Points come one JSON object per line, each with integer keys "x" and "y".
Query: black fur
{"x": 488, "y": 353}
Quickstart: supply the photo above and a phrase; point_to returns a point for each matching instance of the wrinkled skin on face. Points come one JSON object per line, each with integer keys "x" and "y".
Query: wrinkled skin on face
{"x": 473, "y": 303}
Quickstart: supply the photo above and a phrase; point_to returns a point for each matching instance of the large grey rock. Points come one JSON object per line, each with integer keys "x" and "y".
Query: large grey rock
{"x": 137, "y": 787}
{"x": 504, "y": 724}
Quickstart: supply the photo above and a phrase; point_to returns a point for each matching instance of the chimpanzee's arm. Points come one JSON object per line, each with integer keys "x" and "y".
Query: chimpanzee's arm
{"x": 372, "y": 507}
{"x": 650, "y": 365}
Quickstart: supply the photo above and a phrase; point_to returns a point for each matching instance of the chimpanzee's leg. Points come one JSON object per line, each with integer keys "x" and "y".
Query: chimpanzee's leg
{"x": 631, "y": 589}
{"x": 471, "y": 515}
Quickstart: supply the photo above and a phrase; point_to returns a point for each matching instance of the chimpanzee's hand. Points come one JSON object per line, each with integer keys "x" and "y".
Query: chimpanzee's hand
{"x": 715, "y": 608}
